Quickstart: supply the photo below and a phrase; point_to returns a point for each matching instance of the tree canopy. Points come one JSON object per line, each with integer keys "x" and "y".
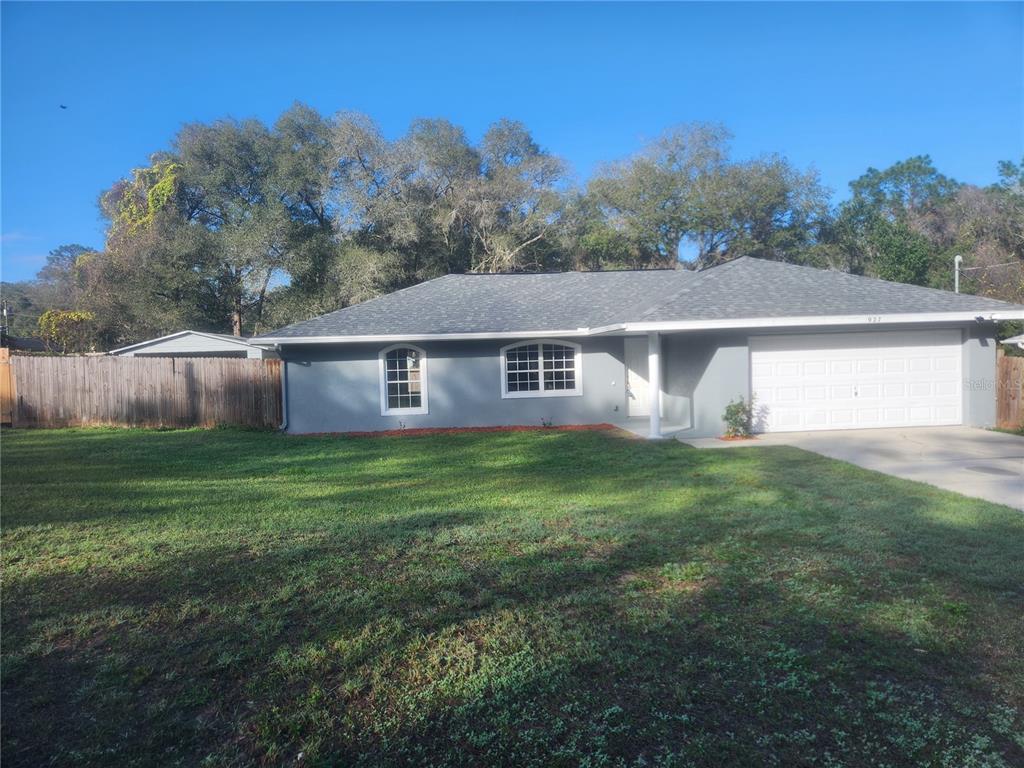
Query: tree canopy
{"x": 239, "y": 226}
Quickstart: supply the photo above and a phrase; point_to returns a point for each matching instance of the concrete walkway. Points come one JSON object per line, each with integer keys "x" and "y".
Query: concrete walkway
{"x": 975, "y": 462}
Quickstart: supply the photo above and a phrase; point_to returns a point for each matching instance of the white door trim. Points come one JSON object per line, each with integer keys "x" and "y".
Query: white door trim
{"x": 636, "y": 359}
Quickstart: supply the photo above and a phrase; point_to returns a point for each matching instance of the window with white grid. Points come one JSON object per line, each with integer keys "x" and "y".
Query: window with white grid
{"x": 540, "y": 369}
{"x": 403, "y": 380}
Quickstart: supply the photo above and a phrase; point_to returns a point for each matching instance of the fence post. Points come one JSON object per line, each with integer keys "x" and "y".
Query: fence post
{"x": 6, "y": 387}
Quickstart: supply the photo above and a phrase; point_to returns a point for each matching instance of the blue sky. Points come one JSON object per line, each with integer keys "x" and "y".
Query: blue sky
{"x": 838, "y": 86}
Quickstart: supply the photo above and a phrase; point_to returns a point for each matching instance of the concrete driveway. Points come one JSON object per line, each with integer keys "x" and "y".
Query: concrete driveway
{"x": 974, "y": 462}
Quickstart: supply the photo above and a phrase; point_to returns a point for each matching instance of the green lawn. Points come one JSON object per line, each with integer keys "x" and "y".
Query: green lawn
{"x": 550, "y": 598}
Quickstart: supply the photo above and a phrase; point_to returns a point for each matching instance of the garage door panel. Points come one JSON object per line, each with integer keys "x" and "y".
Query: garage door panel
{"x": 868, "y": 417}
{"x": 787, "y": 394}
{"x": 815, "y": 368}
{"x": 920, "y": 389}
{"x": 816, "y": 418}
{"x": 850, "y": 380}
{"x": 841, "y": 417}
{"x": 919, "y": 413}
{"x": 842, "y": 391}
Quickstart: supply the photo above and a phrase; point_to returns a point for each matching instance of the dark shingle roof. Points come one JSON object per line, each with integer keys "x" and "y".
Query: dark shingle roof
{"x": 502, "y": 303}
{"x": 742, "y": 289}
{"x": 748, "y": 288}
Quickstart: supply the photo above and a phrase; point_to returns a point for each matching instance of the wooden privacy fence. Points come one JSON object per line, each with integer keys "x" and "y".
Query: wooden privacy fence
{"x": 6, "y": 390}
{"x": 145, "y": 391}
{"x": 1010, "y": 392}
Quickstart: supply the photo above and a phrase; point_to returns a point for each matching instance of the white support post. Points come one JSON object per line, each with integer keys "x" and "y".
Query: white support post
{"x": 654, "y": 382}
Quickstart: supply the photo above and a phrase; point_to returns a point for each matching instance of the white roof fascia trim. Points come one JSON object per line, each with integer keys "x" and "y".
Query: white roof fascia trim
{"x": 273, "y": 340}
{"x": 674, "y": 325}
{"x": 777, "y": 322}
{"x": 177, "y": 334}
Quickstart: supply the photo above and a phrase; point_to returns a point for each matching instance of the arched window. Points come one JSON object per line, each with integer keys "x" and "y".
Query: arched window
{"x": 541, "y": 368}
{"x": 403, "y": 380}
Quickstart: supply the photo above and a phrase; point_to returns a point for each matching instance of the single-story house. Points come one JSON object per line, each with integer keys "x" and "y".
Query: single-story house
{"x": 665, "y": 350}
{"x": 195, "y": 344}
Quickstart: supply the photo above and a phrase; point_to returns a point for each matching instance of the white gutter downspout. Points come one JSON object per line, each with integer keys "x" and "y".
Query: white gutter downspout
{"x": 957, "y": 261}
{"x": 284, "y": 389}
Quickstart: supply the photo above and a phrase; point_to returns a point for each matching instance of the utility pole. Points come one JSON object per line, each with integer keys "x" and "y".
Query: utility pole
{"x": 957, "y": 261}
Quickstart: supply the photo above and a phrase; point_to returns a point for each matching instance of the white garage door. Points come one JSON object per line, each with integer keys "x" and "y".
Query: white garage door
{"x": 856, "y": 380}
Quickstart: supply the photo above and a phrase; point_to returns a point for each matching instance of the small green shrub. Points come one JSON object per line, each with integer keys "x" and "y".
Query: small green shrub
{"x": 739, "y": 418}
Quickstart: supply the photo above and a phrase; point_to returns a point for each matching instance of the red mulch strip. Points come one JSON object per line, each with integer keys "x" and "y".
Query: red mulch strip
{"x": 727, "y": 438}
{"x": 464, "y": 430}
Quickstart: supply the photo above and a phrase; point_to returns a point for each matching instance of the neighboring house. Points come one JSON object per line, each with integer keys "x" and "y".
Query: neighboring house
{"x": 194, "y": 344}
{"x": 817, "y": 349}
{"x": 1017, "y": 341}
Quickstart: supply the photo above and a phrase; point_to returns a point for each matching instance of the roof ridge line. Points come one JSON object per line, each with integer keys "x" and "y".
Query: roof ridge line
{"x": 726, "y": 263}
{"x": 696, "y": 272}
{"x": 672, "y": 296}
{"x": 560, "y": 272}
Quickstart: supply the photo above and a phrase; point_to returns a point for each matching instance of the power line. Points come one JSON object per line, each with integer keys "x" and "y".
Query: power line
{"x": 993, "y": 266}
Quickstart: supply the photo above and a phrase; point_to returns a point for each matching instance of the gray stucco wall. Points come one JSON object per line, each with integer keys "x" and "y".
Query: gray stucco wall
{"x": 703, "y": 372}
{"x": 979, "y": 375}
{"x": 336, "y": 388}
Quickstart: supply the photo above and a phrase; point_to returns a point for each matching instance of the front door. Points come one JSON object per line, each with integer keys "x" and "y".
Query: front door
{"x": 637, "y": 388}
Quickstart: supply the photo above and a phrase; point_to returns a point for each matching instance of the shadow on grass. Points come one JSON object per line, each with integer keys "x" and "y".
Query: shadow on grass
{"x": 545, "y": 600}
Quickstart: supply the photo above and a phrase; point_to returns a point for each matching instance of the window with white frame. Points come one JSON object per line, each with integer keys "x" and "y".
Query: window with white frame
{"x": 540, "y": 368}
{"x": 403, "y": 380}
